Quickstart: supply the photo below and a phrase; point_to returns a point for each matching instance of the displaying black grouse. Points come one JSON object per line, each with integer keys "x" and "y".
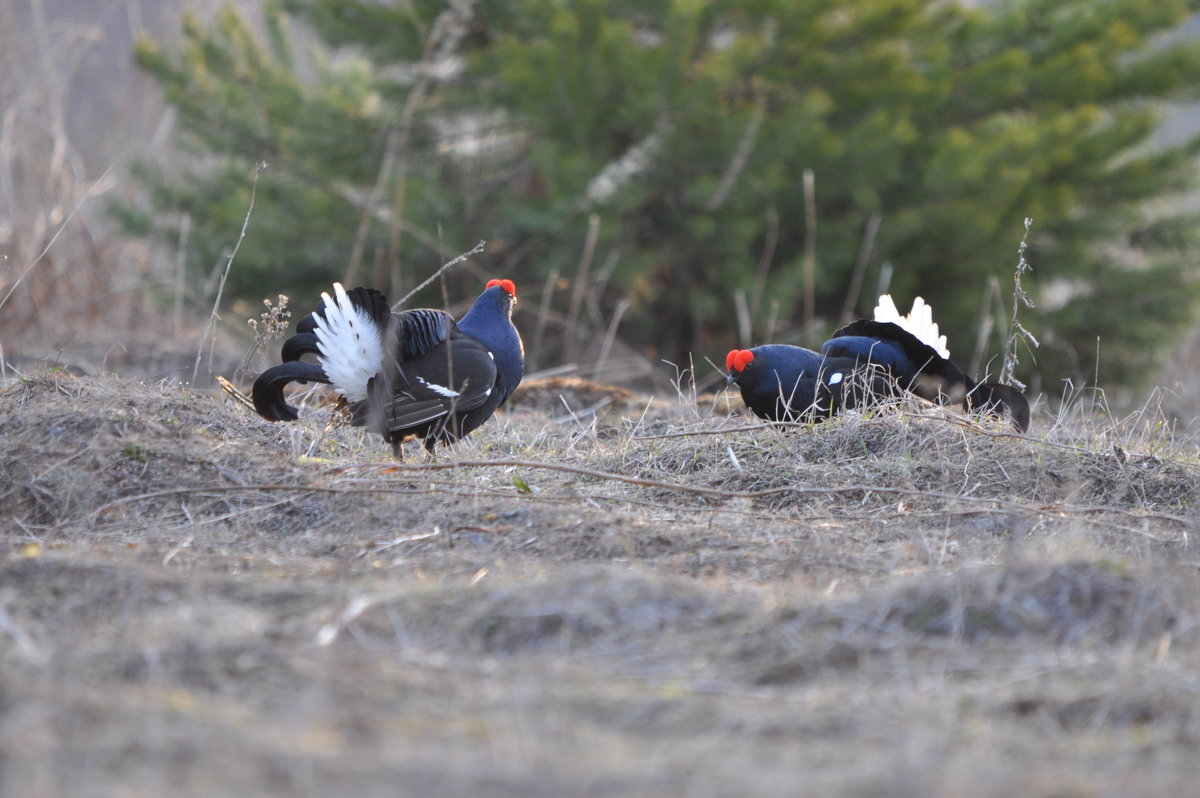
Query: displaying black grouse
{"x": 412, "y": 374}
{"x": 862, "y": 362}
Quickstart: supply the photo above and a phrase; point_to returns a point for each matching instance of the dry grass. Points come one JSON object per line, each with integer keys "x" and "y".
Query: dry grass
{"x": 629, "y": 597}
{"x": 76, "y": 111}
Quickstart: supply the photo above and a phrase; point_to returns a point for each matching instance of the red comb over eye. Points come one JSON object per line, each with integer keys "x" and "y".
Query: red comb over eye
{"x": 509, "y": 286}
{"x": 738, "y": 359}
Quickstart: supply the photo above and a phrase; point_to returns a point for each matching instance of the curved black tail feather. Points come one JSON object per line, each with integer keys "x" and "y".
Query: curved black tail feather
{"x": 268, "y": 388}
{"x": 302, "y": 343}
{"x": 994, "y": 398}
{"x": 308, "y": 324}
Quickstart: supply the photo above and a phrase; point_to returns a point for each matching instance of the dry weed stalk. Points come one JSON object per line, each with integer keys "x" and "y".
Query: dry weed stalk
{"x": 1017, "y": 331}
{"x": 215, "y": 314}
{"x": 65, "y": 129}
{"x": 269, "y": 326}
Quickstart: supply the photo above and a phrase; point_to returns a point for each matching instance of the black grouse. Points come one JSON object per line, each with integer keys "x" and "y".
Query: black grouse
{"x": 862, "y": 362}
{"x": 412, "y": 374}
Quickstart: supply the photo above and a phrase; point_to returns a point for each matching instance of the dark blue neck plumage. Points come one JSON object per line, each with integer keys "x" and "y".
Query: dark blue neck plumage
{"x": 488, "y": 321}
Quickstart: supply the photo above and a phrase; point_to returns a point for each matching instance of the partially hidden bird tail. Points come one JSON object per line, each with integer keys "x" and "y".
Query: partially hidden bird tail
{"x": 996, "y": 399}
{"x": 919, "y": 321}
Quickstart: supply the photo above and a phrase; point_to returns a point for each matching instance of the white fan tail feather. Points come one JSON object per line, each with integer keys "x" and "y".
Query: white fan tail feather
{"x": 885, "y": 310}
{"x": 350, "y": 344}
{"x": 919, "y": 322}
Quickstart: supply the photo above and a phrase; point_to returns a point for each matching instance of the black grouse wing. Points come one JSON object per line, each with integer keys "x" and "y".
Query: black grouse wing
{"x": 419, "y": 332}
{"x": 928, "y": 374}
{"x": 438, "y": 373}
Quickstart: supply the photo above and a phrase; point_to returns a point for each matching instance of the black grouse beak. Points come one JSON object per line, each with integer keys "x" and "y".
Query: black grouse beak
{"x": 729, "y": 378}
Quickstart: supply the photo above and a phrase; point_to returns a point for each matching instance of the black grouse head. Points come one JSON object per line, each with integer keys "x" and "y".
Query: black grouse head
{"x": 741, "y": 368}
{"x": 505, "y": 295}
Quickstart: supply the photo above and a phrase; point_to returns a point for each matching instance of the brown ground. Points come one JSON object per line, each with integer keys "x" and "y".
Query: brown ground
{"x": 624, "y": 598}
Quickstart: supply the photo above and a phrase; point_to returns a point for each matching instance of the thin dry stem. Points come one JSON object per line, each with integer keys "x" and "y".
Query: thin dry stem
{"x": 440, "y": 272}
{"x": 1017, "y": 332}
{"x": 212, "y": 318}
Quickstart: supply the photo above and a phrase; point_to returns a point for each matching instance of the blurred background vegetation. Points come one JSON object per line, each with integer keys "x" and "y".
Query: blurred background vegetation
{"x": 693, "y": 175}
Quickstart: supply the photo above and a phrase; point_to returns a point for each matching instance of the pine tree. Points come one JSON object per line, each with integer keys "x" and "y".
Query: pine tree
{"x": 327, "y": 128}
{"x": 685, "y": 128}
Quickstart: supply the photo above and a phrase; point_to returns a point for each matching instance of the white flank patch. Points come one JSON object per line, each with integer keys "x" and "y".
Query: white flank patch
{"x": 440, "y": 390}
{"x": 835, "y": 378}
{"x": 919, "y": 322}
{"x": 351, "y": 346}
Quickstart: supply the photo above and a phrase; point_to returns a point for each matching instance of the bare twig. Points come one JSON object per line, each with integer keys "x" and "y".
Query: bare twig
{"x": 992, "y": 301}
{"x": 630, "y": 165}
{"x": 745, "y": 322}
{"x": 581, "y": 285}
{"x": 611, "y": 334}
{"x": 810, "y": 258}
{"x": 212, "y": 318}
{"x": 860, "y": 266}
{"x": 59, "y": 232}
{"x": 445, "y": 267}
{"x": 185, "y": 227}
{"x": 741, "y": 155}
{"x": 543, "y": 315}
{"x": 765, "y": 259}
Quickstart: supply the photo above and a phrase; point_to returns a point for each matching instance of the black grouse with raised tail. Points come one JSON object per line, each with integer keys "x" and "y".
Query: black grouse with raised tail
{"x": 863, "y": 362}
{"x": 412, "y": 374}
